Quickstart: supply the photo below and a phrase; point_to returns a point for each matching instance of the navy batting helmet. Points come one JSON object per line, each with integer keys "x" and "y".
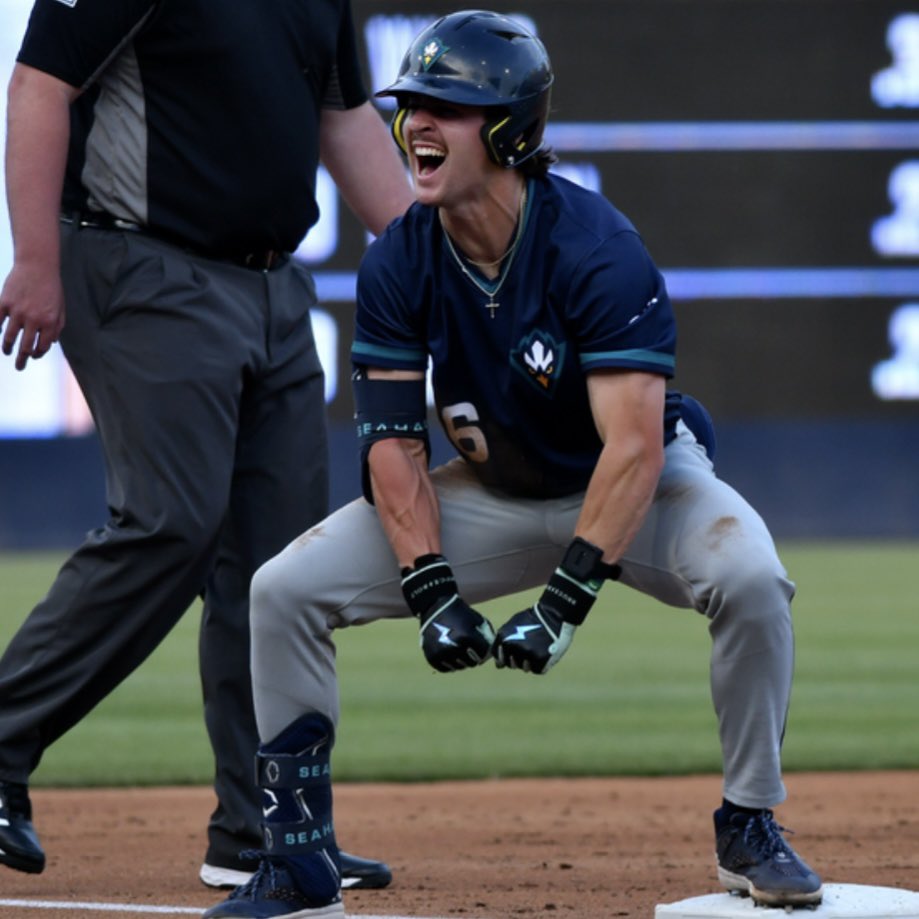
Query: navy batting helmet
{"x": 475, "y": 57}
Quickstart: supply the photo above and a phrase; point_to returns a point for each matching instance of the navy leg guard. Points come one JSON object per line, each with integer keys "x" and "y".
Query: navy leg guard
{"x": 295, "y": 776}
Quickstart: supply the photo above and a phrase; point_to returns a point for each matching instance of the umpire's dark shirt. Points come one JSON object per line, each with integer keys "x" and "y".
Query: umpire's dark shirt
{"x": 199, "y": 118}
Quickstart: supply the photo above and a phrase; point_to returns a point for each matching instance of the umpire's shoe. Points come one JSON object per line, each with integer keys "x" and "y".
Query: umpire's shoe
{"x": 356, "y": 873}
{"x": 19, "y": 846}
{"x": 755, "y": 860}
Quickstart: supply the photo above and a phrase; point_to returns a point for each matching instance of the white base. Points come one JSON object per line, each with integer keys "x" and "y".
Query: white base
{"x": 840, "y": 901}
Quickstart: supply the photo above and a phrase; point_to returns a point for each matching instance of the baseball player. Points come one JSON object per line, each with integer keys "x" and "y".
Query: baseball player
{"x": 550, "y": 337}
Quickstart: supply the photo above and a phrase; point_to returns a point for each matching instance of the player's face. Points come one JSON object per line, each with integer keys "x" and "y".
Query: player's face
{"x": 445, "y": 151}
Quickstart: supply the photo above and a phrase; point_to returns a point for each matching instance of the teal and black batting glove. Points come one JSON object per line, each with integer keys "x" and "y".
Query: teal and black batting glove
{"x": 453, "y": 635}
{"x": 535, "y": 639}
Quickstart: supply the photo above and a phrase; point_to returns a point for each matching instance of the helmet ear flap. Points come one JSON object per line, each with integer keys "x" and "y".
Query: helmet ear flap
{"x": 491, "y": 137}
{"x": 396, "y": 128}
{"x": 514, "y": 135}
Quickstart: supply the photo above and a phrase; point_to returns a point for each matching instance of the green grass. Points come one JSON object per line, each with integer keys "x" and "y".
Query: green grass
{"x": 630, "y": 697}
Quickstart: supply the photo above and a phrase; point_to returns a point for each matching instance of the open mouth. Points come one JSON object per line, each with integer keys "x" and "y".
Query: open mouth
{"x": 429, "y": 159}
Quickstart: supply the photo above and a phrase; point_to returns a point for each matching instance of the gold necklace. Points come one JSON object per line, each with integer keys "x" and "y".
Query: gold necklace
{"x": 496, "y": 261}
{"x": 492, "y": 303}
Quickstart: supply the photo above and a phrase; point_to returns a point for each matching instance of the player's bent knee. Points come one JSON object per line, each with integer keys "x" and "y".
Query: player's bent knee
{"x": 272, "y": 594}
{"x": 755, "y": 589}
{"x": 284, "y": 594}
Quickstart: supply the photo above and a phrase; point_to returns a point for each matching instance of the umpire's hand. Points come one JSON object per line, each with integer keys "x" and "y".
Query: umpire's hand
{"x": 454, "y": 636}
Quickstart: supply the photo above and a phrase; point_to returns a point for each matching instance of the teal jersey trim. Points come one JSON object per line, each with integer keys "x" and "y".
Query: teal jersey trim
{"x": 633, "y": 355}
{"x": 361, "y": 352}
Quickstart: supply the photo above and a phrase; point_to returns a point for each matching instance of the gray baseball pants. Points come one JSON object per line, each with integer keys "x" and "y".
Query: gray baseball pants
{"x": 207, "y": 393}
{"x": 701, "y": 547}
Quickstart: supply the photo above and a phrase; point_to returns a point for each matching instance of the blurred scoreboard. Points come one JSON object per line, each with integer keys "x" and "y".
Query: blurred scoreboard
{"x": 767, "y": 151}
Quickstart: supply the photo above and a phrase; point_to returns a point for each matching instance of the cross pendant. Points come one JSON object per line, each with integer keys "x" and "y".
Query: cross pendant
{"x": 491, "y": 306}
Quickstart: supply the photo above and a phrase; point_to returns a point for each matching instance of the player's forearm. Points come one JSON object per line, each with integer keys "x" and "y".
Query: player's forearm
{"x": 38, "y": 129}
{"x": 619, "y": 495}
{"x": 405, "y": 498}
{"x": 628, "y": 408}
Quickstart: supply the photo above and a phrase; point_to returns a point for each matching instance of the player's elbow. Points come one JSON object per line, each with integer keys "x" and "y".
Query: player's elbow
{"x": 397, "y": 466}
{"x": 397, "y": 451}
{"x": 654, "y": 458}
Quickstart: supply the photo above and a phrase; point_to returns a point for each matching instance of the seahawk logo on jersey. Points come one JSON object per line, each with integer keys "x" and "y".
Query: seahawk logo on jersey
{"x": 539, "y": 357}
{"x": 432, "y": 52}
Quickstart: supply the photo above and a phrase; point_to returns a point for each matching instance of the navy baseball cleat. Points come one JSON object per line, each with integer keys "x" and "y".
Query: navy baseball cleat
{"x": 19, "y": 846}
{"x": 273, "y": 893}
{"x": 754, "y": 860}
{"x": 356, "y": 873}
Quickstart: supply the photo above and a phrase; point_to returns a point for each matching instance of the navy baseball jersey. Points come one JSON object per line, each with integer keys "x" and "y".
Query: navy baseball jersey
{"x": 509, "y": 357}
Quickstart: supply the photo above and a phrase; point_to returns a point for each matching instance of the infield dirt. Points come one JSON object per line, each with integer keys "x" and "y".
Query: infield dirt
{"x": 585, "y": 848}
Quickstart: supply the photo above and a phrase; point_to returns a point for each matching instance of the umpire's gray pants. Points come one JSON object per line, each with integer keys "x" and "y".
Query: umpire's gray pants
{"x": 701, "y": 547}
{"x": 207, "y": 393}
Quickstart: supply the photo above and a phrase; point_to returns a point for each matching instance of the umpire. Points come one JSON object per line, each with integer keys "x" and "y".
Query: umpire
{"x": 161, "y": 167}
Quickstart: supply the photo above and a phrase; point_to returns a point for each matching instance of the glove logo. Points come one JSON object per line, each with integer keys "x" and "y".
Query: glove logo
{"x": 520, "y": 633}
{"x": 445, "y": 638}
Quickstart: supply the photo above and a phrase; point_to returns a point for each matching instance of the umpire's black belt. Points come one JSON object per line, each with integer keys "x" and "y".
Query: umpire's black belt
{"x": 258, "y": 260}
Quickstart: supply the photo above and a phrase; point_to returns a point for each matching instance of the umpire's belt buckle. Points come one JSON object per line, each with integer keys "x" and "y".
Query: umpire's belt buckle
{"x": 261, "y": 261}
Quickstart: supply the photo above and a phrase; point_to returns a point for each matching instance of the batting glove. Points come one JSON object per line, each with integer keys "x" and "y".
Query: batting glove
{"x": 535, "y": 639}
{"x": 453, "y": 635}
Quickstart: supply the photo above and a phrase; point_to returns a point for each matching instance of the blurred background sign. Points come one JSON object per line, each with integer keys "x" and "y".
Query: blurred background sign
{"x": 768, "y": 153}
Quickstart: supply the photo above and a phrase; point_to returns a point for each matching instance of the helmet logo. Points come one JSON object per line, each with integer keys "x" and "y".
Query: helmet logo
{"x": 432, "y": 52}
